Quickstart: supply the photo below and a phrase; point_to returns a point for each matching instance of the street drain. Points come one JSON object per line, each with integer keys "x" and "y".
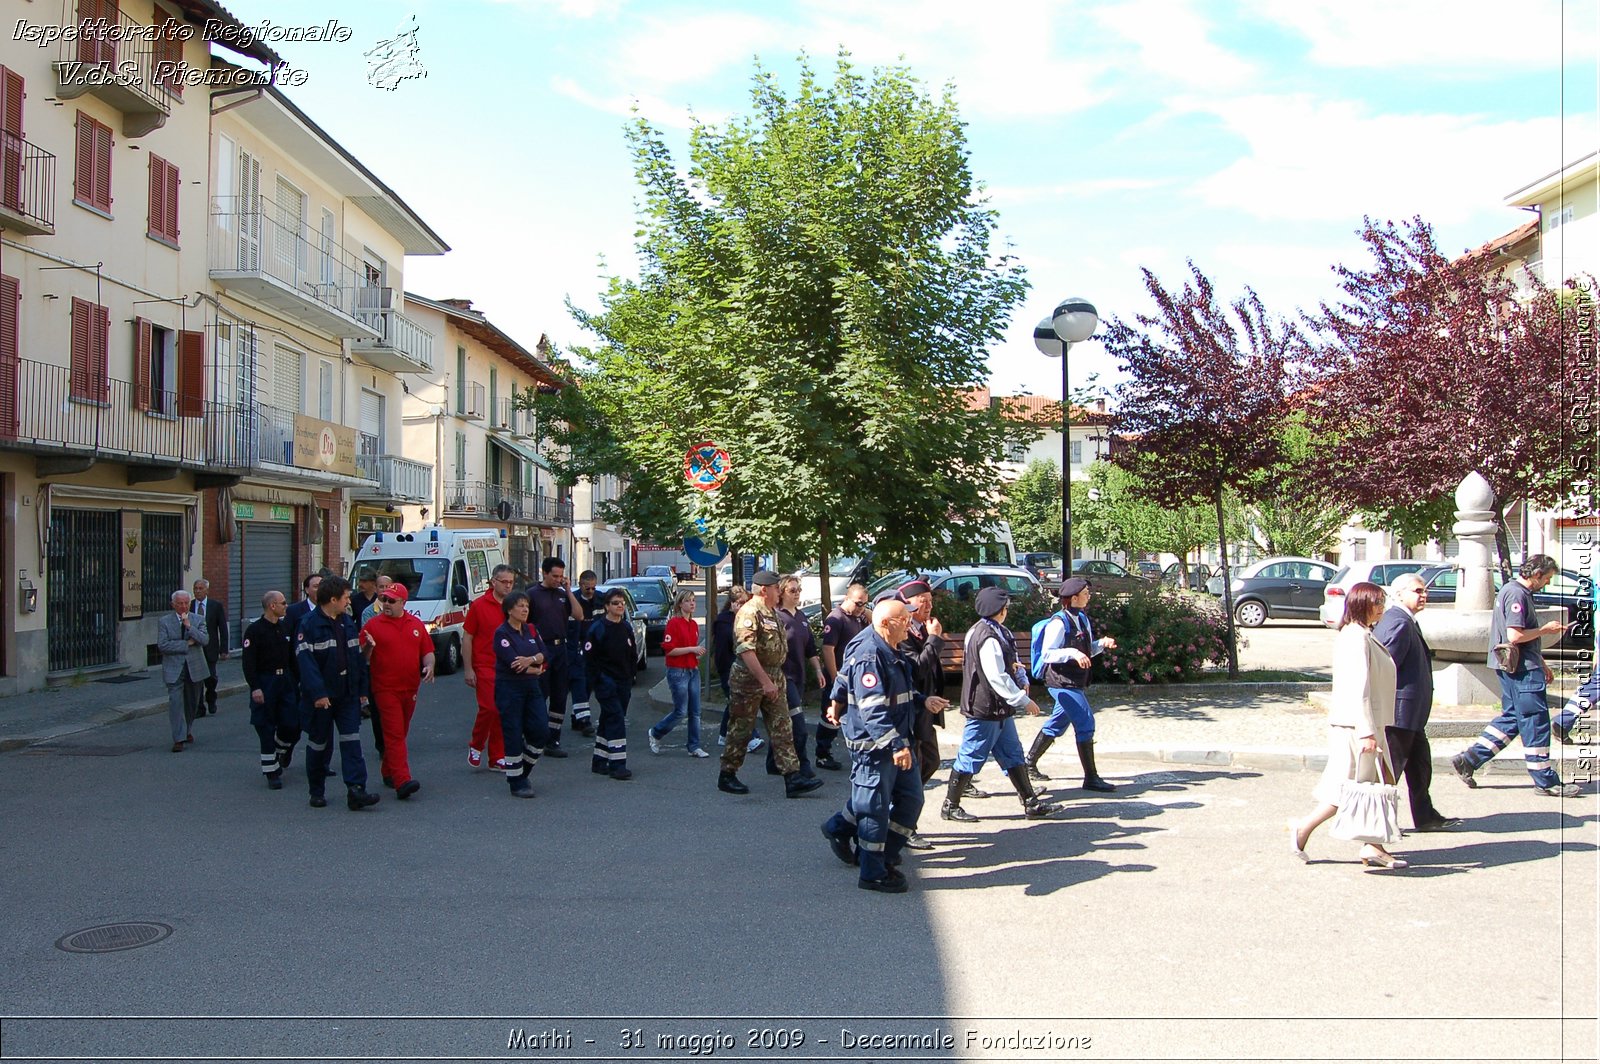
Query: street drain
{"x": 110, "y": 938}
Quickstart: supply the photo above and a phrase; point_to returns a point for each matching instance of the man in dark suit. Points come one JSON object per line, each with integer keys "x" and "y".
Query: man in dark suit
{"x": 297, "y": 613}
{"x": 215, "y": 616}
{"x": 1413, "y": 699}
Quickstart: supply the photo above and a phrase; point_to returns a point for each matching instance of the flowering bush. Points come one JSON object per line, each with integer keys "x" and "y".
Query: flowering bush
{"x": 1163, "y": 636}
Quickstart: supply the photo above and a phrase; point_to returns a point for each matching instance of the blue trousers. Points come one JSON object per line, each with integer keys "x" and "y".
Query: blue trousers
{"x": 685, "y": 687}
{"x": 797, "y": 721}
{"x": 1523, "y": 713}
{"x": 886, "y": 802}
{"x": 579, "y": 687}
{"x": 611, "y": 734}
{"x": 276, "y": 719}
{"x": 1581, "y": 702}
{"x": 344, "y": 713}
{"x": 524, "y": 723}
{"x": 980, "y": 738}
{"x": 1072, "y": 709}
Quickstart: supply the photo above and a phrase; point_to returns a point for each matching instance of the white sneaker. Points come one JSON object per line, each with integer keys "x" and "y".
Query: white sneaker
{"x": 755, "y": 744}
{"x": 697, "y": 752}
{"x": 655, "y": 744}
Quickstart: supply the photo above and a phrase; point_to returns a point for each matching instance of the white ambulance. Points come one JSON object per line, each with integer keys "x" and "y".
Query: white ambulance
{"x": 443, "y": 570}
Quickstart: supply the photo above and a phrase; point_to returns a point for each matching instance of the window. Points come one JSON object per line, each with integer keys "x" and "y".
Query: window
{"x": 288, "y": 392}
{"x": 1280, "y": 571}
{"x": 1018, "y": 452}
{"x": 461, "y": 456}
{"x": 163, "y": 200}
{"x": 162, "y": 568}
{"x": 1077, "y": 452}
{"x": 289, "y": 245}
{"x": 10, "y": 304}
{"x": 168, "y": 55}
{"x": 325, "y": 378}
{"x": 1557, "y": 219}
{"x": 494, "y": 395}
{"x": 91, "y": 170}
{"x": 91, "y": 327}
{"x": 461, "y": 380}
{"x": 329, "y": 244}
{"x": 155, "y": 368}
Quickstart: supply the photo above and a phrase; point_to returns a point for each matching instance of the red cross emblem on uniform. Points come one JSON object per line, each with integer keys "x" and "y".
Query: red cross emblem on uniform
{"x": 868, "y": 680}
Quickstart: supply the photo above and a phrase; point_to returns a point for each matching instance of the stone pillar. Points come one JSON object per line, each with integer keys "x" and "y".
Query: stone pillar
{"x": 1475, "y": 530}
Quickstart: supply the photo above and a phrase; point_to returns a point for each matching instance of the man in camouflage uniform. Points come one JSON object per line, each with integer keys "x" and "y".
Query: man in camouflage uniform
{"x": 756, "y": 683}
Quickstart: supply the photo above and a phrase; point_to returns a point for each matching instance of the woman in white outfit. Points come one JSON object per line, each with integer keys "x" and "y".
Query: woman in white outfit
{"x": 1359, "y": 716}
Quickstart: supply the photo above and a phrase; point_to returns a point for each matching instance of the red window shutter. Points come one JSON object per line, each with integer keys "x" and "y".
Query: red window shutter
{"x": 83, "y": 161}
{"x": 142, "y": 337}
{"x": 172, "y": 202}
{"x": 158, "y": 196}
{"x": 81, "y": 325}
{"x": 102, "y": 166}
{"x": 100, "y": 355}
{"x": 11, "y": 154}
{"x": 11, "y": 101}
{"x": 10, "y": 304}
{"x": 191, "y": 374}
{"x": 88, "y": 42}
{"x": 169, "y": 49}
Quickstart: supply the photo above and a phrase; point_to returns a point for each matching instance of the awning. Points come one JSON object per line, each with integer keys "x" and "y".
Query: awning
{"x": 527, "y": 454}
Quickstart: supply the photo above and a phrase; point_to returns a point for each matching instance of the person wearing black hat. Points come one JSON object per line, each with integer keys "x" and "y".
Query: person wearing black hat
{"x": 994, "y": 686}
{"x": 1068, "y": 645}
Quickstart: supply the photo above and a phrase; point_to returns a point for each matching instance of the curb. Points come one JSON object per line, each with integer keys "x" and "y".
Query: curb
{"x": 1127, "y": 694}
{"x": 99, "y": 720}
{"x": 1293, "y": 759}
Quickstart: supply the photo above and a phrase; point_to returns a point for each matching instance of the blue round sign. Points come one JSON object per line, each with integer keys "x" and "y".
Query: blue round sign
{"x": 701, "y": 554}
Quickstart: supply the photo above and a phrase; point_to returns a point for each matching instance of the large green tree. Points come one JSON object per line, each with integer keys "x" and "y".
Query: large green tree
{"x": 1113, "y": 511}
{"x": 818, "y": 289}
{"x": 1033, "y": 507}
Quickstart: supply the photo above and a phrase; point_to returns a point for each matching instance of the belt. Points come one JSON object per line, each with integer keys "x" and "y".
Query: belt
{"x": 554, "y": 642}
{"x": 276, "y": 672}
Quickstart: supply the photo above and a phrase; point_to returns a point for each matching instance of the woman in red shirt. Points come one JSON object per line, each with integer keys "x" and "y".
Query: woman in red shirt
{"x": 682, "y": 647}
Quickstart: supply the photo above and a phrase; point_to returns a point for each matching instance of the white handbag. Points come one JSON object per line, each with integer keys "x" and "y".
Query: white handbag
{"x": 1369, "y": 810}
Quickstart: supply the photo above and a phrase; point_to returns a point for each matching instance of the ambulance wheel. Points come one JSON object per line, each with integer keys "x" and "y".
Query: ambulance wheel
{"x": 450, "y": 656}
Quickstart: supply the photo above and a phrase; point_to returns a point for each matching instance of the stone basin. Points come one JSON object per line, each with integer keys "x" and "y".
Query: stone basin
{"x": 1463, "y": 635}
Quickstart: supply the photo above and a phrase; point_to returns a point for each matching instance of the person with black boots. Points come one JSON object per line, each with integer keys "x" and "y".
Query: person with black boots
{"x": 756, "y": 687}
{"x": 1066, "y": 650}
{"x": 838, "y": 629}
{"x": 519, "y": 662}
{"x": 333, "y": 686}
{"x": 994, "y": 686}
{"x": 267, "y": 654}
{"x": 611, "y": 656}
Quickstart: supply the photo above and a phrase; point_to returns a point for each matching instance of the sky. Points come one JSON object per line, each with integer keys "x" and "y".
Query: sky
{"x": 1247, "y": 136}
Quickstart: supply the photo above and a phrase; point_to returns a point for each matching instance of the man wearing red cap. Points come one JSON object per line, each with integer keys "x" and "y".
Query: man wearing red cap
{"x": 399, "y": 655}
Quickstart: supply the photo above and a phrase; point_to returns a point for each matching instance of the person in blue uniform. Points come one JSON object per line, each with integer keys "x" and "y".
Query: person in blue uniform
{"x": 994, "y": 688}
{"x": 590, "y": 605}
{"x": 802, "y": 651}
{"x": 886, "y": 786}
{"x": 838, "y": 629}
{"x": 1068, "y": 649}
{"x": 267, "y": 654}
{"x": 519, "y": 663}
{"x": 551, "y": 607}
{"x": 611, "y": 656}
{"x": 333, "y": 686}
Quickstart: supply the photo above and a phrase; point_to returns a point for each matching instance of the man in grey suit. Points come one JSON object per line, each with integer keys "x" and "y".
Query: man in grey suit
{"x": 1413, "y": 698}
{"x": 214, "y": 616}
{"x": 181, "y": 639}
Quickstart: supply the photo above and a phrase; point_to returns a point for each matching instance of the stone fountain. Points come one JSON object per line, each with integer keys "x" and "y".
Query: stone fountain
{"x": 1460, "y": 636}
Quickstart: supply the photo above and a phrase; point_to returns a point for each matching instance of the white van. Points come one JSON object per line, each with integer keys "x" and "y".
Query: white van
{"x": 443, "y": 570}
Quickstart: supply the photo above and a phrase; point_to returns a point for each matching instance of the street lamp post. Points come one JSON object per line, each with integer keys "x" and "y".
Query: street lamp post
{"x": 1073, "y": 322}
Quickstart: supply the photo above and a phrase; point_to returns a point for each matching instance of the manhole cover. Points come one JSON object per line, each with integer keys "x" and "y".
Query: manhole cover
{"x": 109, "y": 938}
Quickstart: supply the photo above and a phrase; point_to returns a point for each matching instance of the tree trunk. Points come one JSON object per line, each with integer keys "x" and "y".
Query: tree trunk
{"x": 823, "y": 568}
{"x": 1502, "y": 542}
{"x": 1227, "y": 591}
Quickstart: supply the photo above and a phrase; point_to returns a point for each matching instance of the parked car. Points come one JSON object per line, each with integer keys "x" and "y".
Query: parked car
{"x": 1278, "y": 587}
{"x": 648, "y": 603}
{"x": 1568, "y": 591}
{"x": 962, "y": 581}
{"x": 842, "y": 572}
{"x": 663, "y": 573}
{"x": 1378, "y": 572}
{"x": 1214, "y": 584}
{"x": 1107, "y": 578}
{"x": 1192, "y": 579}
{"x": 1151, "y": 571}
{"x": 1044, "y": 565}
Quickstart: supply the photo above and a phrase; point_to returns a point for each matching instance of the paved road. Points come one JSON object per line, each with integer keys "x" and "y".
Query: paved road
{"x": 1165, "y": 922}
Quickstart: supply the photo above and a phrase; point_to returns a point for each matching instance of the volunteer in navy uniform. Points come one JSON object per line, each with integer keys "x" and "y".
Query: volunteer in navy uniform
{"x": 886, "y": 785}
{"x": 333, "y": 685}
{"x": 519, "y": 664}
{"x": 550, "y": 607}
{"x": 843, "y": 624}
{"x": 611, "y": 656}
{"x": 1523, "y": 710}
{"x": 578, "y": 675}
{"x": 267, "y": 655}
{"x": 1068, "y": 646}
{"x": 994, "y": 687}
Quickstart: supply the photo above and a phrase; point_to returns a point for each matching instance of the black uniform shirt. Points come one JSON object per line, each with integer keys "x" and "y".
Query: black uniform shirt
{"x": 267, "y": 650}
{"x": 549, "y": 610}
{"x": 609, "y": 650}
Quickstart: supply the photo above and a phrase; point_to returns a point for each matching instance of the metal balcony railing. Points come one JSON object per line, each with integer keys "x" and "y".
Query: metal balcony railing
{"x": 473, "y": 402}
{"x": 503, "y": 417}
{"x": 41, "y": 413}
{"x": 114, "y": 57}
{"x": 474, "y": 497}
{"x": 397, "y": 478}
{"x": 27, "y": 186}
{"x": 396, "y": 332}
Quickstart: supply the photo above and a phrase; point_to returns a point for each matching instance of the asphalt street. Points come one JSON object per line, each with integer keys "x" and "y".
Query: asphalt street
{"x": 1166, "y": 921}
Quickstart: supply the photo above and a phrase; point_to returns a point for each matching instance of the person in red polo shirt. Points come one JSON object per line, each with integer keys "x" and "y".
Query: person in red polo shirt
{"x": 399, "y": 654}
{"x": 484, "y": 616}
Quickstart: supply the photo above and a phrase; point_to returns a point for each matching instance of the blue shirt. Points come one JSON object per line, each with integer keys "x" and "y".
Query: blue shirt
{"x": 510, "y": 643}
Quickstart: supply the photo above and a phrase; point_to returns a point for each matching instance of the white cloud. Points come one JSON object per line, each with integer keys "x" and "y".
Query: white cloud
{"x": 660, "y": 113}
{"x": 571, "y": 8}
{"x": 1015, "y": 195}
{"x": 1468, "y": 36}
{"x": 1170, "y": 40}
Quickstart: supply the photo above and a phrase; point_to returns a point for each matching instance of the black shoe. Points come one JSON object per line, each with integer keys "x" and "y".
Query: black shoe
{"x": 794, "y": 785}
{"x": 521, "y": 788}
{"x": 1038, "y": 809}
{"x": 1095, "y": 783}
{"x": 1464, "y": 771}
{"x": 358, "y": 799}
{"x": 772, "y": 770}
{"x": 915, "y": 841}
{"x": 955, "y": 812}
{"x": 388, "y": 781}
{"x": 1444, "y": 823}
{"x": 554, "y": 750}
{"x": 972, "y": 791}
{"x": 622, "y": 774}
{"x": 841, "y": 845}
{"x": 1561, "y": 790}
{"x": 892, "y": 883}
{"x": 586, "y": 730}
{"x": 318, "y": 801}
{"x": 274, "y": 781}
{"x": 826, "y": 761}
{"x": 728, "y": 782}
{"x": 407, "y": 789}
{"x": 1091, "y": 775}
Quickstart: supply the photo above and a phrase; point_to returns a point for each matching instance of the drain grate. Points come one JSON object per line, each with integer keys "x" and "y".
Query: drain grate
{"x": 110, "y": 938}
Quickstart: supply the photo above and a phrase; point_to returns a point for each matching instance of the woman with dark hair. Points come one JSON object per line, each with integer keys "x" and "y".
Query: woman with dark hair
{"x": 519, "y": 659}
{"x": 611, "y": 656}
{"x": 1360, "y": 713}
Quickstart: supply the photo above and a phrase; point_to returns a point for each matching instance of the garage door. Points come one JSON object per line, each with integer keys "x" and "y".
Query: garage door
{"x": 260, "y": 559}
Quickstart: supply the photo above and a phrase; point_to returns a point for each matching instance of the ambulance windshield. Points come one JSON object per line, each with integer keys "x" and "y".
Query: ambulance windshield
{"x": 424, "y": 578}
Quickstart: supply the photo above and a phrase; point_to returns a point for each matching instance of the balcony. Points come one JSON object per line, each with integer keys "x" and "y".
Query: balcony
{"x": 259, "y": 438}
{"x": 27, "y": 187}
{"x": 471, "y": 402}
{"x": 261, "y": 251}
{"x": 470, "y": 498}
{"x": 398, "y": 479}
{"x": 114, "y": 59}
{"x": 503, "y": 417}
{"x": 524, "y": 425}
{"x": 41, "y": 413}
{"x": 401, "y": 346}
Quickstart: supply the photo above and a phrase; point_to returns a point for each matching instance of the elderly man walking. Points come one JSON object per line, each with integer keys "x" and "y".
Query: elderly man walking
{"x": 181, "y": 639}
{"x": 1413, "y": 700}
{"x": 214, "y": 616}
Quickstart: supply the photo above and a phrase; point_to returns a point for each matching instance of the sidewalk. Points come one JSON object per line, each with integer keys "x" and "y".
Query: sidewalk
{"x": 40, "y": 716}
